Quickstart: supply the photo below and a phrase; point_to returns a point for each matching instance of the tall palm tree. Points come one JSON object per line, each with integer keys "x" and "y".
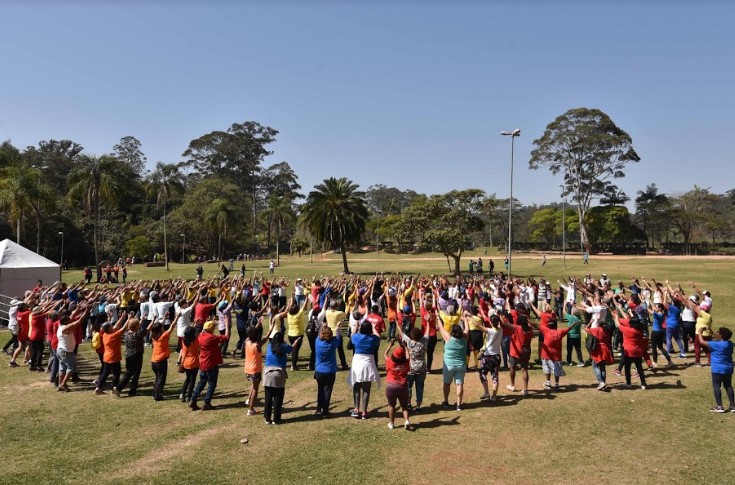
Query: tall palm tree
{"x": 219, "y": 217}
{"x": 280, "y": 212}
{"x": 165, "y": 182}
{"x": 94, "y": 181}
{"x": 335, "y": 213}
{"x": 18, "y": 189}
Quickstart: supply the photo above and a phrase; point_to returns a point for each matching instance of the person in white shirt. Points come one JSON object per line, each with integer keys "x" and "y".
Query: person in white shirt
{"x": 571, "y": 294}
{"x": 12, "y": 326}
{"x": 491, "y": 356}
{"x": 65, "y": 349}
{"x": 184, "y": 309}
{"x": 604, "y": 281}
{"x": 298, "y": 291}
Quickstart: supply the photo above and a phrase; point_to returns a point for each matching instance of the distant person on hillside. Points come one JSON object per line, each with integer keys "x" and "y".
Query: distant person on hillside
{"x": 586, "y": 258}
{"x": 543, "y": 260}
{"x": 200, "y": 272}
{"x": 272, "y": 266}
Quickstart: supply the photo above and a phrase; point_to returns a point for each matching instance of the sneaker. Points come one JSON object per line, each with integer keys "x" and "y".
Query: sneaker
{"x": 115, "y": 392}
{"x": 643, "y": 388}
{"x": 247, "y": 402}
{"x": 718, "y": 409}
{"x": 407, "y": 425}
{"x": 581, "y": 364}
{"x": 510, "y": 388}
{"x": 417, "y": 409}
{"x": 697, "y": 364}
{"x": 459, "y": 407}
{"x": 193, "y": 405}
{"x": 556, "y": 386}
{"x": 731, "y": 409}
{"x": 253, "y": 412}
{"x": 547, "y": 385}
{"x": 537, "y": 361}
{"x": 601, "y": 386}
{"x": 268, "y": 422}
{"x": 293, "y": 368}
{"x": 524, "y": 392}
{"x": 208, "y": 407}
{"x": 13, "y": 364}
{"x": 617, "y": 372}
{"x": 681, "y": 356}
{"x": 6, "y": 352}
{"x": 445, "y": 405}
{"x": 569, "y": 364}
{"x": 669, "y": 365}
{"x": 364, "y": 415}
{"x": 484, "y": 397}
{"x": 390, "y": 426}
{"x": 99, "y": 391}
{"x": 96, "y": 382}
{"x": 355, "y": 414}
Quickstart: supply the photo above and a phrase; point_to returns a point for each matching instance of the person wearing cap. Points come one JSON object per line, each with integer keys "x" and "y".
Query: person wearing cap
{"x": 722, "y": 366}
{"x": 396, "y": 389}
{"x": 604, "y": 281}
{"x": 210, "y": 358}
{"x": 704, "y": 295}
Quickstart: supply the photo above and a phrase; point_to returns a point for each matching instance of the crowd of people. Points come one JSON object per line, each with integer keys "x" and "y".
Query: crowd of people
{"x": 486, "y": 322}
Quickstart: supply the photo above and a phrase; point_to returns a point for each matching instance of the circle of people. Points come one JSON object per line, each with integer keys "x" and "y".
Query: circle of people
{"x": 485, "y": 318}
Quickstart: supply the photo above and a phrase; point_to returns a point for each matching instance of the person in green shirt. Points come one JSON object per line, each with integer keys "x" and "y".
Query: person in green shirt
{"x": 574, "y": 337}
{"x": 455, "y": 351}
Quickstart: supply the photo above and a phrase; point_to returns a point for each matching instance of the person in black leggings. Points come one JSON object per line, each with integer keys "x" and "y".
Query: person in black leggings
{"x": 658, "y": 334}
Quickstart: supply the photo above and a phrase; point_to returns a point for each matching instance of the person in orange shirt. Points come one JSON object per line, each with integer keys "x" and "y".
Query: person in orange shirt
{"x": 161, "y": 353}
{"x": 254, "y": 362}
{"x": 189, "y": 359}
{"x": 112, "y": 343}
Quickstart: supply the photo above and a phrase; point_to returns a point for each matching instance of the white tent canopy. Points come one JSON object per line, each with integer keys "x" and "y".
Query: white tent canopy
{"x": 20, "y": 268}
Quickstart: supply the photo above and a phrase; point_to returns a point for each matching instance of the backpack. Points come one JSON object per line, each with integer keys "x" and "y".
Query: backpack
{"x": 96, "y": 340}
{"x": 591, "y": 343}
{"x": 312, "y": 327}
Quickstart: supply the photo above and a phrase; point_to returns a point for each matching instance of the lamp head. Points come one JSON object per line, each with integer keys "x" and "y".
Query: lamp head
{"x": 505, "y": 133}
{"x": 516, "y": 132}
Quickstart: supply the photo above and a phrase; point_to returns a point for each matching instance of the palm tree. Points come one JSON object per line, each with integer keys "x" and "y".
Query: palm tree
{"x": 279, "y": 212}
{"x": 219, "y": 217}
{"x": 94, "y": 181}
{"x": 18, "y": 190}
{"x": 335, "y": 213}
{"x": 165, "y": 181}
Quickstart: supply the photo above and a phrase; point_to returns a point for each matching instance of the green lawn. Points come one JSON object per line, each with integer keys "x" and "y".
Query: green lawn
{"x": 577, "y": 435}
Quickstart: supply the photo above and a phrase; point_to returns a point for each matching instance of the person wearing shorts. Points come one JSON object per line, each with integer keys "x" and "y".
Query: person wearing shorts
{"x": 396, "y": 390}
{"x": 491, "y": 356}
{"x": 254, "y": 362}
{"x": 551, "y": 349}
{"x": 455, "y": 363}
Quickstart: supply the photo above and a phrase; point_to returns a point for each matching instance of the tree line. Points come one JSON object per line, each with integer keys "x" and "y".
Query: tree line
{"x": 226, "y": 198}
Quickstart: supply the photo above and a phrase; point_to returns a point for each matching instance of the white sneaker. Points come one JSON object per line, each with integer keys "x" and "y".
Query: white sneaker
{"x": 581, "y": 364}
{"x": 547, "y": 385}
{"x": 406, "y": 425}
{"x": 390, "y": 426}
{"x": 510, "y": 388}
{"x": 247, "y": 402}
{"x": 601, "y": 386}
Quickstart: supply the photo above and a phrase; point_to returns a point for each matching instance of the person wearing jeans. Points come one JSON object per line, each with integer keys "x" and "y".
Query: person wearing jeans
{"x": 210, "y": 358}
{"x": 673, "y": 326}
{"x": 325, "y": 371}
{"x": 274, "y": 377}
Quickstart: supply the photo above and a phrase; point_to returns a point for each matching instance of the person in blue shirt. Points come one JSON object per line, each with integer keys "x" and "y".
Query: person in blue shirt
{"x": 274, "y": 377}
{"x": 364, "y": 371}
{"x": 325, "y": 370}
{"x": 673, "y": 325}
{"x": 658, "y": 333}
{"x": 722, "y": 366}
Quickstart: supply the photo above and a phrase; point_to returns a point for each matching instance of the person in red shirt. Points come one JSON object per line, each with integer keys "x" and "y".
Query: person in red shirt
{"x": 377, "y": 322}
{"x": 520, "y": 348}
{"x": 36, "y": 335}
{"x": 210, "y": 358}
{"x": 396, "y": 389}
{"x": 551, "y": 347}
{"x": 633, "y": 343}
{"x": 601, "y": 354}
{"x": 112, "y": 344}
{"x": 428, "y": 317}
{"x": 23, "y": 317}
{"x": 52, "y": 326}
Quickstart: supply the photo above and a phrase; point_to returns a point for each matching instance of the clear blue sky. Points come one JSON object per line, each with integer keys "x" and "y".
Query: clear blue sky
{"x": 411, "y": 95}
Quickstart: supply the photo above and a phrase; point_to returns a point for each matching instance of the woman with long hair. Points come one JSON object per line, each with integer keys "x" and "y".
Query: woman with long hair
{"x": 365, "y": 339}
{"x": 189, "y": 360}
{"x": 658, "y": 333}
{"x": 601, "y": 353}
{"x": 633, "y": 344}
{"x": 325, "y": 370}
{"x": 396, "y": 389}
{"x": 254, "y": 362}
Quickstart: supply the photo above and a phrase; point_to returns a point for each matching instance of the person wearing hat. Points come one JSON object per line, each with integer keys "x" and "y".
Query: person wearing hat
{"x": 604, "y": 281}
{"x": 396, "y": 389}
{"x": 704, "y": 295}
{"x": 224, "y": 319}
{"x": 210, "y": 358}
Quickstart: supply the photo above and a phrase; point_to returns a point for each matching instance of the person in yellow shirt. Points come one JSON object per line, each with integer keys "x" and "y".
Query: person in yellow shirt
{"x": 477, "y": 333}
{"x": 334, "y": 321}
{"x": 449, "y": 318}
{"x": 295, "y": 324}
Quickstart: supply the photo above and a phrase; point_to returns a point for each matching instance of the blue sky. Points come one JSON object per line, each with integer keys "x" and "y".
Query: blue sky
{"x": 409, "y": 94}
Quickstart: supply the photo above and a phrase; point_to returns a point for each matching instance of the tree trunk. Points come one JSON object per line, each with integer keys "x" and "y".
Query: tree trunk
{"x": 343, "y": 250}
{"x": 449, "y": 266}
{"x": 457, "y": 259}
{"x": 219, "y": 246}
{"x": 38, "y": 232}
{"x": 278, "y": 247}
{"x": 584, "y": 243}
{"x": 165, "y": 242}
{"x": 20, "y": 218}
{"x": 95, "y": 228}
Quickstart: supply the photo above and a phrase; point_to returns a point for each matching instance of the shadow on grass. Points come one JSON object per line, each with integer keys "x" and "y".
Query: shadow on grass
{"x": 435, "y": 423}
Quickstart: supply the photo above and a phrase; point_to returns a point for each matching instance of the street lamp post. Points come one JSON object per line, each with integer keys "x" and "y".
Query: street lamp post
{"x": 564, "y": 225}
{"x": 183, "y": 249}
{"x": 513, "y": 136}
{"x": 61, "y": 261}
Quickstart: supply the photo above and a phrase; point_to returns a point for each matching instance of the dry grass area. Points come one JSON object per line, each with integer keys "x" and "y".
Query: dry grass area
{"x": 574, "y": 436}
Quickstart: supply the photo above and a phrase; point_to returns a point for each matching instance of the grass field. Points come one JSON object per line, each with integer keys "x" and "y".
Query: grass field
{"x": 577, "y": 435}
